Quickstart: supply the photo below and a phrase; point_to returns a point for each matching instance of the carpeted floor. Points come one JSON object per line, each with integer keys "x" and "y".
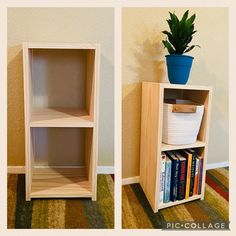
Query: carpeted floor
{"x": 137, "y": 213}
{"x": 60, "y": 213}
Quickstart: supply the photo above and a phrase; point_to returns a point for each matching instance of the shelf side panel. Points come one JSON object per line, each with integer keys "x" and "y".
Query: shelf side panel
{"x": 27, "y": 60}
{"x": 90, "y": 82}
{"x": 89, "y": 153}
{"x": 93, "y": 106}
{"x": 149, "y": 140}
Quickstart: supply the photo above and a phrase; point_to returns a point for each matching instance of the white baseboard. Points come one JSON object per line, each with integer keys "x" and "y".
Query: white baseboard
{"x": 135, "y": 179}
{"x": 21, "y": 169}
{"x": 105, "y": 170}
{"x": 217, "y": 165}
{"x": 130, "y": 180}
{"x": 16, "y": 169}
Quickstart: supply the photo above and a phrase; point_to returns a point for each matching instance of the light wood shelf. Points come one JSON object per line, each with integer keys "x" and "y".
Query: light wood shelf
{"x": 60, "y": 182}
{"x": 170, "y": 204}
{"x": 61, "y": 101}
{"x": 60, "y": 117}
{"x": 151, "y": 145}
{"x": 167, "y": 147}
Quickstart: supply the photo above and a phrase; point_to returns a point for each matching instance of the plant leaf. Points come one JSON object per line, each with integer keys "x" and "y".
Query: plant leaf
{"x": 191, "y": 19}
{"x": 190, "y": 48}
{"x": 168, "y": 46}
{"x": 184, "y": 18}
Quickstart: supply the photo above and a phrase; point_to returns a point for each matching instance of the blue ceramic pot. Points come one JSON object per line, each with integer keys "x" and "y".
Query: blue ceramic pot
{"x": 178, "y": 67}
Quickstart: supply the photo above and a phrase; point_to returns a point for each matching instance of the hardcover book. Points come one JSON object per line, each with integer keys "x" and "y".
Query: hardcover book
{"x": 182, "y": 176}
{"x": 196, "y": 179}
{"x": 200, "y": 174}
{"x": 174, "y": 176}
{"x": 162, "y": 176}
{"x": 167, "y": 181}
{"x": 188, "y": 157}
{"x": 192, "y": 175}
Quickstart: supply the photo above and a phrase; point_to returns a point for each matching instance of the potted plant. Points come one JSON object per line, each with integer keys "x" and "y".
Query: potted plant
{"x": 177, "y": 43}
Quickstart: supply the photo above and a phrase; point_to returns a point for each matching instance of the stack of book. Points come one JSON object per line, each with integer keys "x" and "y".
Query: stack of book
{"x": 181, "y": 175}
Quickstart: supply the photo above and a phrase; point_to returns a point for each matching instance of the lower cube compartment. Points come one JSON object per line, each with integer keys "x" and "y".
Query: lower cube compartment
{"x": 62, "y": 162}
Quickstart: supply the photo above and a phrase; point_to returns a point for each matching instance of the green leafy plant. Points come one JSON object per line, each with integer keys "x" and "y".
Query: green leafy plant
{"x": 180, "y": 34}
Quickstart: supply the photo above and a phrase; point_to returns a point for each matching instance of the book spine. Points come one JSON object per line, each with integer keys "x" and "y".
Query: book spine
{"x": 162, "y": 179}
{"x": 182, "y": 180}
{"x": 192, "y": 175}
{"x": 200, "y": 176}
{"x": 174, "y": 181}
{"x": 189, "y": 164}
{"x": 196, "y": 179}
{"x": 167, "y": 183}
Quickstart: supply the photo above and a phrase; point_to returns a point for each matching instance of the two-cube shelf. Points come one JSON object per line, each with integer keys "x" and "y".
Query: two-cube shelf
{"x": 61, "y": 119}
{"x": 153, "y": 96}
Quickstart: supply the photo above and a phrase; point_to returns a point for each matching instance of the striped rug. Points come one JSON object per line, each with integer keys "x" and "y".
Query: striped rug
{"x": 60, "y": 213}
{"x": 137, "y": 213}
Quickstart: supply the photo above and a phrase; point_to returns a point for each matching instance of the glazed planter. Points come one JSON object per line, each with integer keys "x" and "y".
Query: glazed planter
{"x": 178, "y": 67}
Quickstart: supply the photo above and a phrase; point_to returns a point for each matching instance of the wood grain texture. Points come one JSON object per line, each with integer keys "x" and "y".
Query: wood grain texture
{"x": 60, "y": 182}
{"x": 168, "y": 147}
{"x": 153, "y": 95}
{"x": 61, "y": 83}
{"x": 149, "y": 140}
{"x": 27, "y": 108}
{"x": 95, "y": 100}
{"x": 60, "y": 117}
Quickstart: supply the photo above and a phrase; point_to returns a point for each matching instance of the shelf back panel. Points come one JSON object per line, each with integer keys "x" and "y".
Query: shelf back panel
{"x": 59, "y": 78}
{"x": 60, "y": 146}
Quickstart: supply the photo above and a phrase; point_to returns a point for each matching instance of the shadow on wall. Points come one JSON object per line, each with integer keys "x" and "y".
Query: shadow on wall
{"x": 15, "y": 104}
{"x": 149, "y": 66}
{"x": 219, "y": 123}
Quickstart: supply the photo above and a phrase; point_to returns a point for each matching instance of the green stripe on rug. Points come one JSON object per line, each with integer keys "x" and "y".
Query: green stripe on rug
{"x": 176, "y": 213}
{"x": 197, "y": 212}
{"x": 156, "y": 219}
{"x": 23, "y": 208}
{"x": 217, "y": 202}
{"x": 105, "y": 201}
{"x": 11, "y": 200}
{"x": 214, "y": 216}
{"x": 140, "y": 217}
{"x": 39, "y": 214}
{"x": 56, "y": 213}
{"x": 128, "y": 219}
{"x": 93, "y": 214}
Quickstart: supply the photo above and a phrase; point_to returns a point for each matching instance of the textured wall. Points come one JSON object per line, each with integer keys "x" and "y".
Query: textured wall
{"x": 82, "y": 25}
{"x": 143, "y": 60}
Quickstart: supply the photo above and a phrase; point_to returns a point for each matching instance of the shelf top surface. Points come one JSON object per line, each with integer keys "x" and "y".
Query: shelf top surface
{"x": 168, "y": 147}
{"x": 181, "y": 86}
{"x": 42, "y": 45}
{"x": 60, "y": 117}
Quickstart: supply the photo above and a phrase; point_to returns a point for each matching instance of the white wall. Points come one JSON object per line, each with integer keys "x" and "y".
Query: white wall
{"x": 82, "y": 25}
{"x": 143, "y": 60}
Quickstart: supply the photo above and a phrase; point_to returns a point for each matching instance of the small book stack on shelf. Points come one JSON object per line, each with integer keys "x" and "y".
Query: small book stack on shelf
{"x": 181, "y": 175}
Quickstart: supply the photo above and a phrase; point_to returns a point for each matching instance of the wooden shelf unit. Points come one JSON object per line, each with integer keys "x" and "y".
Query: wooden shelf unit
{"x": 153, "y": 95}
{"x": 61, "y": 83}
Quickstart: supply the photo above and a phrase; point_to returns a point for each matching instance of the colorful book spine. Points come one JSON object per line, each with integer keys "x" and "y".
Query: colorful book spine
{"x": 188, "y": 157}
{"x": 192, "y": 175}
{"x": 196, "y": 179}
{"x": 162, "y": 177}
{"x": 200, "y": 175}
{"x": 182, "y": 177}
{"x": 167, "y": 181}
{"x": 174, "y": 176}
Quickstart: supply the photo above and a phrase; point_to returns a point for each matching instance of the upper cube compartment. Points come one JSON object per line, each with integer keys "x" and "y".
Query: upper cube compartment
{"x": 61, "y": 81}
